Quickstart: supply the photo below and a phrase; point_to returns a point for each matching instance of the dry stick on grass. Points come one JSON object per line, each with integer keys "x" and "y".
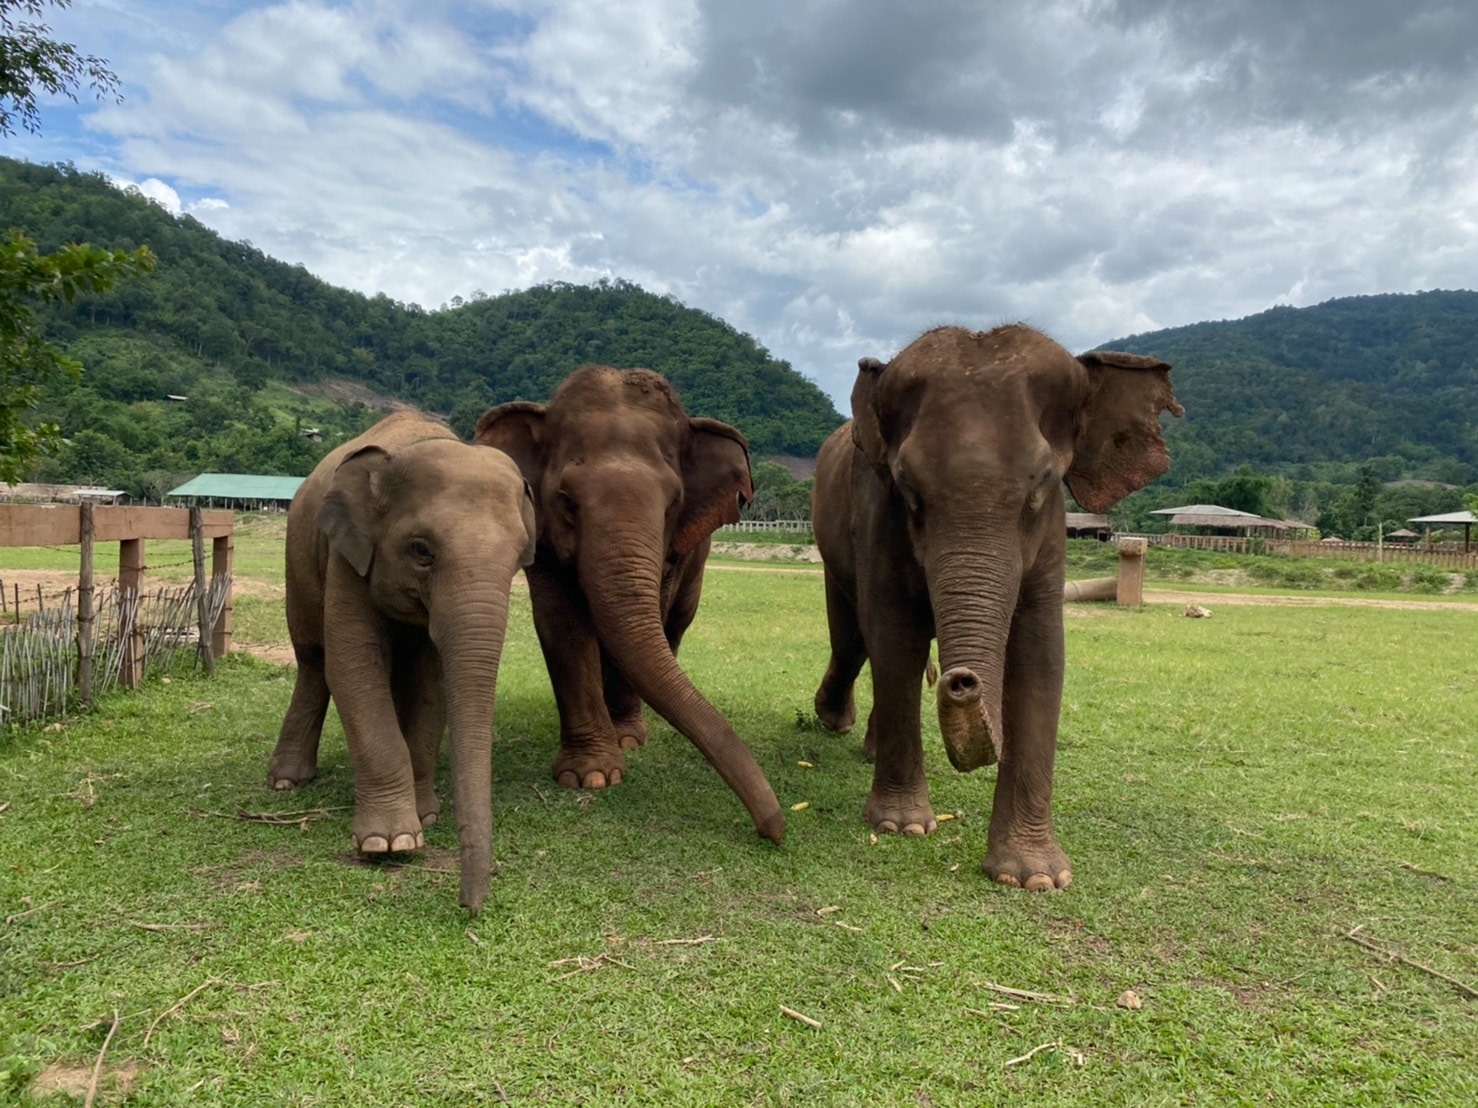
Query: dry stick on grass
{"x": 97, "y": 1069}
{"x": 171, "y": 926}
{"x": 1075, "y": 1055}
{"x": 799, "y": 1018}
{"x": 995, "y": 1006}
{"x": 28, "y": 912}
{"x": 586, "y": 965}
{"x": 701, "y": 939}
{"x": 177, "y": 1005}
{"x": 1355, "y": 937}
{"x": 1023, "y": 994}
{"x": 1404, "y": 865}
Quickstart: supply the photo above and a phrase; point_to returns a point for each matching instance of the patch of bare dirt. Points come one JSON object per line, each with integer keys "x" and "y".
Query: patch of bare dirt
{"x": 1154, "y": 595}
{"x": 75, "y": 1081}
{"x": 767, "y": 552}
{"x": 352, "y": 392}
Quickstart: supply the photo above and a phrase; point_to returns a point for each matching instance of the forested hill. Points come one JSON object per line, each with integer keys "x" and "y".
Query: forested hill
{"x": 219, "y": 313}
{"x": 1366, "y": 377}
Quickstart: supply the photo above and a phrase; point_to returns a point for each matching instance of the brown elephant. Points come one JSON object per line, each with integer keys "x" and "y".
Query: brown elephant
{"x": 938, "y": 510}
{"x": 401, "y": 547}
{"x": 628, "y": 490}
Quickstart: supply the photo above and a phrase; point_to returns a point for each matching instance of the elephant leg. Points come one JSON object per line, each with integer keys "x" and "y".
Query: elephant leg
{"x": 294, "y": 760}
{"x": 623, "y": 705}
{"x": 1023, "y": 850}
{"x": 836, "y": 707}
{"x": 590, "y": 756}
{"x": 358, "y": 668}
{"x": 420, "y": 706}
{"x": 899, "y": 800}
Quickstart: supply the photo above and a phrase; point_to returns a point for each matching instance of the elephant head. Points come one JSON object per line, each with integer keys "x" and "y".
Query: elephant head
{"x": 435, "y": 529}
{"x": 628, "y": 487}
{"x": 974, "y": 433}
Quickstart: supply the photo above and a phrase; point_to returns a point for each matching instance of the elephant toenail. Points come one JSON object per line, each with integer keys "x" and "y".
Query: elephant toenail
{"x": 404, "y": 841}
{"x": 1064, "y": 879}
{"x": 888, "y": 826}
{"x": 1008, "y": 880}
{"x": 569, "y": 779}
{"x": 595, "y": 780}
{"x": 913, "y": 829}
{"x": 630, "y": 742}
{"x": 1040, "y": 882}
{"x": 373, "y": 844}
{"x": 429, "y": 819}
{"x": 282, "y": 783}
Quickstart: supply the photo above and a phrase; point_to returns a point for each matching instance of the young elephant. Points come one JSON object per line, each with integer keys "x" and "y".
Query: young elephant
{"x": 629, "y": 489}
{"x": 401, "y": 547}
{"x": 938, "y": 510}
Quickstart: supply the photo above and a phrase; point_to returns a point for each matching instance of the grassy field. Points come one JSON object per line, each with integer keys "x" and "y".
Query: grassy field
{"x": 1238, "y": 795}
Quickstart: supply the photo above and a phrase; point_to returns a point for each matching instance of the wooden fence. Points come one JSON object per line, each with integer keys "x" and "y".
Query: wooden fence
{"x": 83, "y": 648}
{"x": 799, "y": 526}
{"x": 1446, "y": 555}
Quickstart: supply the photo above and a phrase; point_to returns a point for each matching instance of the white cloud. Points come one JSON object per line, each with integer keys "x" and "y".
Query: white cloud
{"x": 831, "y": 177}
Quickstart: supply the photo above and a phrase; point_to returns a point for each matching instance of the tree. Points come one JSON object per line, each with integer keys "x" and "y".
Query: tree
{"x": 27, "y": 361}
{"x": 31, "y": 59}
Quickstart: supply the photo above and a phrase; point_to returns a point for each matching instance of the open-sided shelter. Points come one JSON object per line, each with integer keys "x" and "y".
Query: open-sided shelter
{"x": 237, "y": 490}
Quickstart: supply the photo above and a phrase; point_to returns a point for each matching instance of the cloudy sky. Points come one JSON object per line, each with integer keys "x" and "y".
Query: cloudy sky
{"x": 831, "y": 176}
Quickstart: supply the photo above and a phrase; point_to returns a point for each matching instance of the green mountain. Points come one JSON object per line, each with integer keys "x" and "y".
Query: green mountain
{"x": 1312, "y": 392}
{"x": 263, "y": 350}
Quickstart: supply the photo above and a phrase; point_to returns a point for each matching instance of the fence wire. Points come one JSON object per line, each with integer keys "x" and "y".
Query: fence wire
{"x": 38, "y": 655}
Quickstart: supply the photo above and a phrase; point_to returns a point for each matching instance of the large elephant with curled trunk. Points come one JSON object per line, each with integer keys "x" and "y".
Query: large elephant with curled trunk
{"x": 401, "y": 547}
{"x": 628, "y": 490}
{"x": 938, "y": 510}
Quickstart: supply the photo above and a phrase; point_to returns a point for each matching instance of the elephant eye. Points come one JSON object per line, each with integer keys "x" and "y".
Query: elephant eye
{"x": 422, "y": 553}
{"x": 567, "y": 504}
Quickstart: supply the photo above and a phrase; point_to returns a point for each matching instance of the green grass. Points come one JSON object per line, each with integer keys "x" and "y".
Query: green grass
{"x": 1236, "y": 793}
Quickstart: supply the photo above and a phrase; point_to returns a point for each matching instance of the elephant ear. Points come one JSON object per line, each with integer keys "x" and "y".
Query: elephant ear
{"x": 530, "y": 526}
{"x": 716, "y": 481}
{"x": 867, "y": 430}
{"x": 352, "y": 508}
{"x": 1118, "y": 447}
{"x": 517, "y": 429}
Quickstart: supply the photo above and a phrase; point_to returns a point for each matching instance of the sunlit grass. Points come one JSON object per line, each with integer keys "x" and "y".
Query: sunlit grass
{"x": 1236, "y": 793}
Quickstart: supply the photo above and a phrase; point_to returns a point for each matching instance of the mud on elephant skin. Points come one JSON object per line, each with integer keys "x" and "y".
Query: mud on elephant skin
{"x": 401, "y": 547}
{"x": 938, "y": 510}
{"x": 628, "y": 490}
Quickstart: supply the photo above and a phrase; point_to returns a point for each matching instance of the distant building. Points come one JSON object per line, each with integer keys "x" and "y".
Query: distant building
{"x": 1088, "y": 525}
{"x": 244, "y": 491}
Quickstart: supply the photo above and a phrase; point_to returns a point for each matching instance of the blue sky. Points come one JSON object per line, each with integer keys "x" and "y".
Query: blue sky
{"x": 831, "y": 176}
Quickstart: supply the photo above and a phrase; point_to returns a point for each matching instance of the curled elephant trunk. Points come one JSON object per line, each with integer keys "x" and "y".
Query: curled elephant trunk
{"x": 624, "y": 607}
{"x": 470, "y": 642}
{"x": 973, "y": 605}
{"x": 971, "y": 739}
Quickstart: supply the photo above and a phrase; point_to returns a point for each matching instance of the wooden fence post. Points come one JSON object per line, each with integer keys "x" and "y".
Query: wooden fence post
{"x": 130, "y": 584}
{"x": 1130, "y": 593}
{"x": 202, "y": 601}
{"x": 221, "y": 556}
{"x": 84, "y": 608}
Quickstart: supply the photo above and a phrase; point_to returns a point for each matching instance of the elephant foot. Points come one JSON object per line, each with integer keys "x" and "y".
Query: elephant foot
{"x": 372, "y": 832}
{"x": 630, "y": 732}
{"x": 590, "y": 769}
{"x": 290, "y": 769}
{"x": 900, "y": 813}
{"x": 428, "y": 805}
{"x": 1037, "y": 865}
{"x": 834, "y": 718}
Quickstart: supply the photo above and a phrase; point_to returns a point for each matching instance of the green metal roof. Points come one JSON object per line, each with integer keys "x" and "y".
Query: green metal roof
{"x": 239, "y": 486}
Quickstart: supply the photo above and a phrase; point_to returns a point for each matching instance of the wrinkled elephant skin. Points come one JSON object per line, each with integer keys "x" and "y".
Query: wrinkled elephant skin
{"x": 628, "y": 491}
{"x": 939, "y": 512}
{"x": 401, "y": 547}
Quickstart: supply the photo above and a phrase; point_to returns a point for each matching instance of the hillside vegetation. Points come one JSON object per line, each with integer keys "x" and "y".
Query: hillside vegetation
{"x": 1313, "y": 392}
{"x": 246, "y": 339}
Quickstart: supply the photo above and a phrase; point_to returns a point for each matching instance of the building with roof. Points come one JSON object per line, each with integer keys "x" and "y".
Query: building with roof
{"x": 1213, "y": 517}
{"x": 1464, "y": 519}
{"x": 246, "y": 491}
{"x": 1088, "y": 525}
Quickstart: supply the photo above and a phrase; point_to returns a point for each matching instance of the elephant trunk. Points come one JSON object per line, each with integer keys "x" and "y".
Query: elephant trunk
{"x": 469, "y": 639}
{"x": 624, "y": 594}
{"x": 973, "y": 597}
